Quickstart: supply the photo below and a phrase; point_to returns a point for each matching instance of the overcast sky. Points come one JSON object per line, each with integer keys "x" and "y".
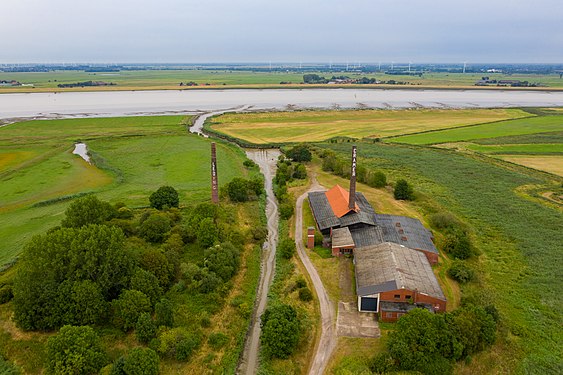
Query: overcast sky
{"x": 188, "y": 31}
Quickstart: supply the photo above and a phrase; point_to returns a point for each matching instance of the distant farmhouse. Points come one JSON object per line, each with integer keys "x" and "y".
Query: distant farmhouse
{"x": 393, "y": 255}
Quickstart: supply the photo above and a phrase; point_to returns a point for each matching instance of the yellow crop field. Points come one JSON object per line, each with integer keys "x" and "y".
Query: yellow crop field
{"x": 309, "y": 126}
{"x": 552, "y": 164}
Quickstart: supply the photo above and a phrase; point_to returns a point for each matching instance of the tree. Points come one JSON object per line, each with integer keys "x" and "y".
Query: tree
{"x": 164, "y": 197}
{"x": 128, "y": 307}
{"x": 299, "y": 153}
{"x": 286, "y": 209}
{"x": 75, "y": 350}
{"x": 300, "y": 172}
{"x": 207, "y": 233}
{"x": 88, "y": 210}
{"x": 305, "y": 294}
{"x": 87, "y": 304}
{"x": 145, "y": 328}
{"x": 473, "y": 328}
{"x": 237, "y": 189}
{"x": 223, "y": 260}
{"x": 286, "y": 248}
{"x": 155, "y": 228}
{"x": 155, "y": 262}
{"x": 403, "y": 191}
{"x": 280, "y": 331}
{"x": 49, "y": 266}
{"x": 147, "y": 283}
{"x": 141, "y": 361}
{"x": 458, "y": 244}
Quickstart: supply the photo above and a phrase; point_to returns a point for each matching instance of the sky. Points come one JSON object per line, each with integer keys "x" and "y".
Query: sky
{"x": 219, "y": 31}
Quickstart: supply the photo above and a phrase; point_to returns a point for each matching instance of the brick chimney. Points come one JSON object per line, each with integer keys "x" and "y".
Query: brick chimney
{"x": 214, "y": 183}
{"x": 352, "y": 197}
{"x": 310, "y": 237}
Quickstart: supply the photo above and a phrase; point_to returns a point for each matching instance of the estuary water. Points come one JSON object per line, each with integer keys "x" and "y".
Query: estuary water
{"x": 130, "y": 103}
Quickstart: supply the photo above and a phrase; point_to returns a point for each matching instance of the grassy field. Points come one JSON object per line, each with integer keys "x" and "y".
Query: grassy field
{"x": 520, "y": 240}
{"x": 170, "y": 79}
{"x": 516, "y": 127}
{"x": 310, "y": 126}
{"x": 135, "y": 156}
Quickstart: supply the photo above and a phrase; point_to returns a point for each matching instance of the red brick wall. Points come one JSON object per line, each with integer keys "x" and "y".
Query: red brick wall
{"x": 432, "y": 257}
{"x": 337, "y": 251}
{"x": 438, "y": 304}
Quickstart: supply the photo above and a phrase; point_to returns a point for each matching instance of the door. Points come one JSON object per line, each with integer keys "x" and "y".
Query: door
{"x": 368, "y": 304}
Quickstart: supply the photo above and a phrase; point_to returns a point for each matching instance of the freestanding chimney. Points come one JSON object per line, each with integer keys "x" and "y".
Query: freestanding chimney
{"x": 214, "y": 183}
{"x": 352, "y": 197}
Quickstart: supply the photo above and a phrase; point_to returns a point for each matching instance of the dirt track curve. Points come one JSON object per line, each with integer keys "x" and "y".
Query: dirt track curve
{"x": 327, "y": 342}
{"x": 266, "y": 160}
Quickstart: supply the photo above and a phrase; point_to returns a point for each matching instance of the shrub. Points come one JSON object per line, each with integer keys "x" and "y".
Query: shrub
{"x": 237, "y": 189}
{"x": 217, "y": 340}
{"x": 75, "y": 350}
{"x": 305, "y": 294}
{"x": 207, "y": 233}
{"x": 318, "y": 238}
{"x": 445, "y": 220}
{"x": 458, "y": 245}
{"x": 145, "y": 329}
{"x": 141, "y": 361}
{"x": 164, "y": 311}
{"x": 377, "y": 179}
{"x": 280, "y": 331}
{"x": 259, "y": 234}
{"x": 286, "y": 247}
{"x": 461, "y": 272}
{"x": 249, "y": 164}
{"x": 164, "y": 197}
{"x": 383, "y": 363}
{"x": 6, "y": 294}
{"x": 300, "y": 283}
{"x": 286, "y": 210}
{"x": 222, "y": 260}
{"x": 147, "y": 283}
{"x": 403, "y": 190}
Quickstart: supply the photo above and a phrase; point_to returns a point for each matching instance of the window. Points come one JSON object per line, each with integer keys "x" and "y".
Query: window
{"x": 397, "y": 296}
{"x": 408, "y": 297}
{"x": 389, "y": 315}
{"x": 399, "y": 315}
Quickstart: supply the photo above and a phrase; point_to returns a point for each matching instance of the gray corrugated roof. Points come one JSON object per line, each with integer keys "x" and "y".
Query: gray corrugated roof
{"x": 342, "y": 237}
{"x": 389, "y": 266}
{"x": 326, "y": 218}
{"x": 410, "y": 232}
{"x": 367, "y": 236}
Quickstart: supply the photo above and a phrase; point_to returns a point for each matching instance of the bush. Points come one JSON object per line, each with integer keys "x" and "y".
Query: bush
{"x": 164, "y": 197}
{"x": 6, "y": 294}
{"x": 377, "y": 179}
{"x": 207, "y": 233}
{"x": 222, "y": 260}
{"x": 461, "y": 272}
{"x": 164, "y": 311}
{"x": 141, "y": 361}
{"x": 259, "y": 234}
{"x": 383, "y": 364}
{"x": 155, "y": 228}
{"x": 249, "y": 164}
{"x": 318, "y": 238}
{"x": 403, "y": 190}
{"x": 147, "y": 283}
{"x": 177, "y": 343}
{"x": 237, "y": 189}
{"x": 458, "y": 245}
{"x": 445, "y": 221}
{"x": 280, "y": 331}
{"x": 286, "y": 247}
{"x": 145, "y": 329}
{"x": 217, "y": 340}
{"x": 300, "y": 283}
{"x": 305, "y": 294}
{"x": 75, "y": 350}
{"x": 286, "y": 210}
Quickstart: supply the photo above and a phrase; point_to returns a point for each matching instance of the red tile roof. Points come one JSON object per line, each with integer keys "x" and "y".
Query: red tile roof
{"x": 338, "y": 200}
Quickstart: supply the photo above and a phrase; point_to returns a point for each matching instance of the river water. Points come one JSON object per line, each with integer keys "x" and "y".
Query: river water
{"x": 129, "y": 103}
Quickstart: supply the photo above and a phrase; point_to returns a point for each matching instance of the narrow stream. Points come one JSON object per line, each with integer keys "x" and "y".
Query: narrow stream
{"x": 266, "y": 160}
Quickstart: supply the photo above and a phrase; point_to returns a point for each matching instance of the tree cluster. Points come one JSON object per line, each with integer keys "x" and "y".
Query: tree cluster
{"x": 243, "y": 190}
{"x": 314, "y": 78}
{"x": 341, "y": 167}
{"x": 431, "y": 343}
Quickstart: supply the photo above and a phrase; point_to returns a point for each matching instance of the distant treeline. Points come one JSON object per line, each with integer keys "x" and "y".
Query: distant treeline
{"x": 85, "y": 84}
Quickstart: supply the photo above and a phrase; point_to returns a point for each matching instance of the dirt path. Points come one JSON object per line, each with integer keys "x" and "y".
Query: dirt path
{"x": 327, "y": 342}
{"x": 197, "y": 127}
{"x": 266, "y": 160}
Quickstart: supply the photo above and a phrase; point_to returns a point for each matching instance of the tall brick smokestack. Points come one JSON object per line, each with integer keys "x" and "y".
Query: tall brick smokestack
{"x": 214, "y": 183}
{"x": 352, "y": 197}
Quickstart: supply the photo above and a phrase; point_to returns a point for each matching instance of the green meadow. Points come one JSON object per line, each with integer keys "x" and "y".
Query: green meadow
{"x": 531, "y": 125}
{"x": 133, "y": 157}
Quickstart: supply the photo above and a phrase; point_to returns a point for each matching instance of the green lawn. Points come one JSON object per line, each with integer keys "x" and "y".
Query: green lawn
{"x": 520, "y": 240}
{"x": 530, "y": 149}
{"x": 136, "y": 155}
{"x": 523, "y": 126}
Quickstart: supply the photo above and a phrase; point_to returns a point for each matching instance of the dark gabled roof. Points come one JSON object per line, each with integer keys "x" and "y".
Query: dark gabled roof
{"x": 405, "y": 231}
{"x": 325, "y": 217}
{"x": 367, "y": 236}
{"x": 389, "y": 266}
{"x": 341, "y": 237}
{"x": 322, "y": 211}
